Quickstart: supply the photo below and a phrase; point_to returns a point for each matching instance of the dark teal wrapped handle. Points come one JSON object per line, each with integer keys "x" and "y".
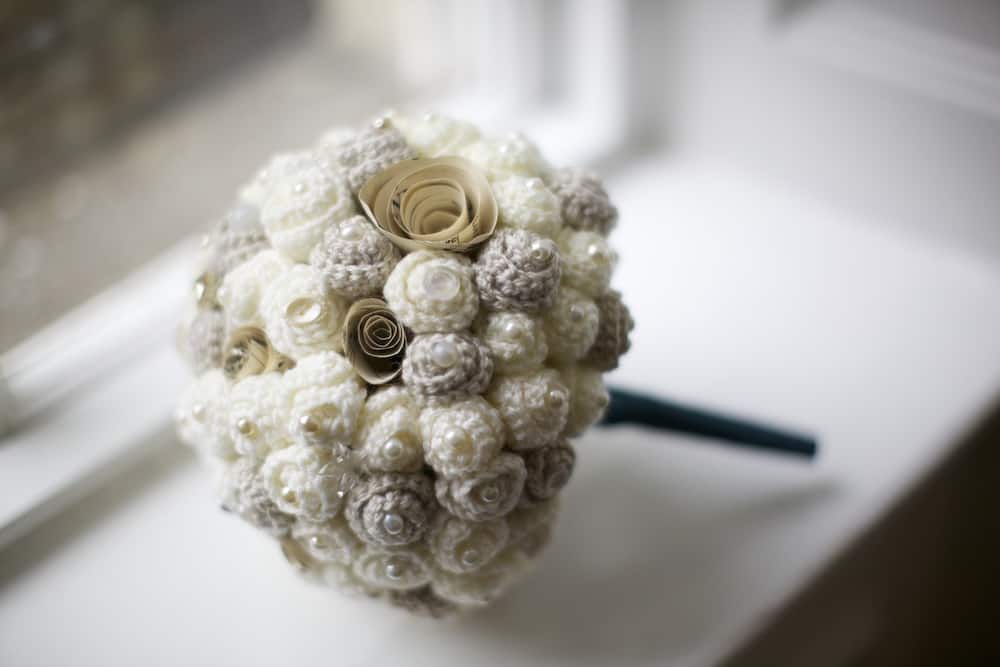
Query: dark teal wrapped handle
{"x": 632, "y": 408}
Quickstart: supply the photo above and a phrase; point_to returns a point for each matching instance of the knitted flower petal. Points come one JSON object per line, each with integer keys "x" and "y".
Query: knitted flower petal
{"x": 588, "y": 398}
{"x": 388, "y": 439}
{"x": 446, "y": 366}
{"x": 587, "y": 261}
{"x": 433, "y": 291}
{"x": 308, "y": 482}
{"x": 533, "y": 406}
{"x": 201, "y": 416}
{"x": 257, "y": 415}
{"x": 570, "y": 325}
{"x": 549, "y": 469}
{"x": 584, "y": 202}
{"x": 203, "y": 339}
{"x": 371, "y": 150}
{"x": 330, "y": 542}
{"x": 401, "y": 568}
{"x": 518, "y": 270}
{"x": 248, "y": 498}
{"x": 502, "y": 158}
{"x": 355, "y": 258}
{"x": 462, "y": 437}
{"x": 525, "y": 203}
{"x": 391, "y": 509}
{"x": 237, "y": 237}
{"x": 516, "y": 341}
{"x": 301, "y": 314}
{"x": 486, "y": 494}
{"x": 464, "y": 546}
{"x": 301, "y": 202}
{"x": 614, "y": 326}
{"x": 324, "y": 398}
{"x": 242, "y": 287}
{"x": 434, "y": 135}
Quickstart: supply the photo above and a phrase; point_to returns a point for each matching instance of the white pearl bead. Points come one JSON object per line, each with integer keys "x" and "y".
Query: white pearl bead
{"x": 577, "y": 313}
{"x": 540, "y": 251}
{"x": 534, "y": 183}
{"x": 318, "y": 542}
{"x": 393, "y": 448}
{"x": 441, "y": 284}
{"x": 299, "y": 188}
{"x": 444, "y": 353}
{"x": 471, "y": 557}
{"x": 394, "y": 568}
{"x": 393, "y": 524}
{"x": 489, "y": 493}
{"x": 455, "y": 438}
{"x": 309, "y": 424}
{"x": 555, "y": 398}
{"x": 305, "y": 311}
{"x": 198, "y": 412}
{"x": 246, "y": 427}
{"x": 352, "y": 231}
{"x": 288, "y": 494}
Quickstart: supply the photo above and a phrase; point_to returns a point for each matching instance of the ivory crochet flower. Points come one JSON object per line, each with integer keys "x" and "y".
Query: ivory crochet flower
{"x": 395, "y": 334}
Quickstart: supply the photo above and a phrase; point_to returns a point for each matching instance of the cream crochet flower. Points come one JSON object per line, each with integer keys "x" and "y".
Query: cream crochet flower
{"x": 301, "y": 315}
{"x": 433, "y": 291}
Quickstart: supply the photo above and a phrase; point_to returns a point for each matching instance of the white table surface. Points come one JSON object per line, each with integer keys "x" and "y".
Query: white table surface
{"x": 669, "y": 550}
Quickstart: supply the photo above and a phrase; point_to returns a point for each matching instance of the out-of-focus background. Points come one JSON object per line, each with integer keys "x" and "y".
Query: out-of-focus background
{"x": 810, "y": 232}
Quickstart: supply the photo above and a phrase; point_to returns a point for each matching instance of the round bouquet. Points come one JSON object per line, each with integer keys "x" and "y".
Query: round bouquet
{"x": 396, "y": 334}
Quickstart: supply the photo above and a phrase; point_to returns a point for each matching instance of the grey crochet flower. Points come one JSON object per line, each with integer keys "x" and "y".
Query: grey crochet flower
{"x": 250, "y": 501}
{"x": 549, "y": 469}
{"x": 518, "y": 270}
{"x": 447, "y": 366}
{"x": 422, "y": 601}
{"x": 355, "y": 258}
{"x": 391, "y": 509}
{"x": 583, "y": 200}
{"x": 205, "y": 338}
{"x": 487, "y": 494}
{"x": 614, "y": 325}
{"x": 370, "y": 151}
{"x": 237, "y": 237}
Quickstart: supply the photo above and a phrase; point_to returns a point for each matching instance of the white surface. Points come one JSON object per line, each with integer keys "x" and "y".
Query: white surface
{"x": 746, "y": 299}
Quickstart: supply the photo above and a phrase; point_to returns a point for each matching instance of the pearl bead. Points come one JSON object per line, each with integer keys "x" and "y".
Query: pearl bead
{"x": 318, "y": 542}
{"x": 441, "y": 284}
{"x": 380, "y": 123}
{"x": 395, "y": 568}
{"x": 309, "y": 424}
{"x": 540, "y": 251}
{"x": 352, "y": 231}
{"x": 577, "y": 313}
{"x": 444, "y": 353}
{"x": 534, "y": 183}
{"x": 393, "y": 448}
{"x": 305, "y": 311}
{"x": 503, "y": 149}
{"x": 299, "y": 188}
{"x": 393, "y": 524}
{"x": 555, "y": 398}
{"x": 489, "y": 493}
{"x": 246, "y": 427}
{"x": 471, "y": 557}
{"x": 288, "y": 494}
{"x": 198, "y": 412}
{"x": 455, "y": 438}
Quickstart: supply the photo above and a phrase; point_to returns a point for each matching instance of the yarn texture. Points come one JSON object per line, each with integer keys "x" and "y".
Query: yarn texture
{"x": 387, "y": 378}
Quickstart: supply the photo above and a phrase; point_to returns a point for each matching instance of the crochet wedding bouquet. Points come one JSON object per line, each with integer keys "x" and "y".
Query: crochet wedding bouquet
{"x": 396, "y": 333}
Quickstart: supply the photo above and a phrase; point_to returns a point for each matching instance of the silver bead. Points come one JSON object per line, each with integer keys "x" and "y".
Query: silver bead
{"x": 444, "y": 353}
{"x": 305, "y": 311}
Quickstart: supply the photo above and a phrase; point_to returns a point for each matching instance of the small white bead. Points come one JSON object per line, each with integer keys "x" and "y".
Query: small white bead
{"x": 577, "y": 313}
{"x": 444, "y": 353}
{"x": 471, "y": 557}
{"x": 440, "y": 284}
{"x": 352, "y": 231}
{"x": 246, "y": 427}
{"x": 489, "y": 493}
{"x": 393, "y": 448}
{"x": 198, "y": 412}
{"x": 305, "y": 311}
{"x": 395, "y": 568}
{"x": 455, "y": 438}
{"x": 393, "y": 524}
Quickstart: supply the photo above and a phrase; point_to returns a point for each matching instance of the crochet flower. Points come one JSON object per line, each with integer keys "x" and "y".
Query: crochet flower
{"x": 300, "y": 312}
{"x": 587, "y": 261}
{"x": 202, "y": 339}
{"x": 371, "y": 151}
{"x": 500, "y": 158}
{"x": 248, "y": 498}
{"x": 241, "y": 289}
{"x": 518, "y": 270}
{"x": 434, "y": 135}
{"x": 431, "y": 203}
{"x": 447, "y": 366}
{"x": 516, "y": 341}
{"x": 462, "y": 437}
{"x": 323, "y": 398}
{"x": 486, "y": 494}
{"x": 388, "y": 439}
{"x": 525, "y": 203}
{"x": 374, "y": 341}
{"x": 549, "y": 469}
{"x": 570, "y": 325}
{"x": 614, "y": 326}
{"x": 588, "y": 398}
{"x": 433, "y": 291}
{"x": 422, "y": 602}
{"x": 308, "y": 482}
{"x": 391, "y": 509}
{"x": 257, "y": 415}
{"x": 301, "y": 201}
{"x": 201, "y": 416}
{"x": 583, "y": 200}
{"x": 483, "y": 586}
{"x": 238, "y": 237}
{"x": 533, "y": 407}
{"x": 354, "y": 258}
{"x": 464, "y": 546}
{"x": 392, "y": 569}
{"x": 332, "y": 541}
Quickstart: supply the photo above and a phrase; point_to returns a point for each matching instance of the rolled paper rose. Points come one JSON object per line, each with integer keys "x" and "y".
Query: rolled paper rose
{"x": 447, "y": 366}
{"x": 248, "y": 498}
{"x": 308, "y": 482}
{"x": 249, "y": 352}
{"x": 549, "y": 469}
{"x": 533, "y": 406}
{"x": 401, "y": 568}
{"x": 518, "y": 270}
{"x": 614, "y": 324}
{"x": 374, "y": 341}
{"x": 421, "y": 601}
{"x": 332, "y": 541}
{"x": 391, "y": 509}
{"x": 433, "y": 203}
{"x": 488, "y": 494}
{"x": 388, "y": 438}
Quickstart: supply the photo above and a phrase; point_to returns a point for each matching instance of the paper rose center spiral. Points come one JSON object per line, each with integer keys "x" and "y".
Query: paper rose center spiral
{"x": 374, "y": 341}
{"x": 436, "y": 203}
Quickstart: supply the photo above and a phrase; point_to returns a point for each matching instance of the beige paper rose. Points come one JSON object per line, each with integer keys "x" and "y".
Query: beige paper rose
{"x": 249, "y": 352}
{"x": 435, "y": 203}
{"x": 374, "y": 341}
